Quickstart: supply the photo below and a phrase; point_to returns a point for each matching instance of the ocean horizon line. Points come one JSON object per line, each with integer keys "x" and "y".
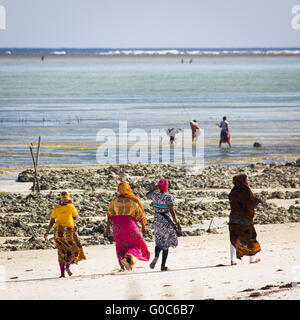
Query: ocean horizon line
{"x": 7, "y": 51}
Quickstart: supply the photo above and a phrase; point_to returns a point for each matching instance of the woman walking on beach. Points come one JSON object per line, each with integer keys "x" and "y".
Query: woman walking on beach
{"x": 241, "y": 224}
{"x": 164, "y": 228}
{"x": 124, "y": 212}
{"x": 65, "y": 234}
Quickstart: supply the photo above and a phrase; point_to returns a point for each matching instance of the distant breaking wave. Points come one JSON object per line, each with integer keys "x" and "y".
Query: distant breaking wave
{"x": 151, "y": 52}
{"x": 59, "y": 52}
{"x": 197, "y": 52}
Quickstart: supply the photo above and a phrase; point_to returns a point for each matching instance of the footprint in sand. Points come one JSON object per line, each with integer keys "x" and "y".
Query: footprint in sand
{"x": 267, "y": 287}
{"x": 255, "y": 294}
{"x": 248, "y": 290}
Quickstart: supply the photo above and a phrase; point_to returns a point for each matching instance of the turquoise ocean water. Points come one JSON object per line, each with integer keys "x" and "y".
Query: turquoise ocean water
{"x": 66, "y": 100}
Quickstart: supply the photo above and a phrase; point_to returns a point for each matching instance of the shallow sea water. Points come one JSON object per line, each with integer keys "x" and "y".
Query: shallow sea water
{"x": 67, "y": 100}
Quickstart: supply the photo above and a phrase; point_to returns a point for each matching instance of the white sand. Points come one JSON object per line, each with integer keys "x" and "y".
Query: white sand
{"x": 13, "y": 186}
{"x": 194, "y": 273}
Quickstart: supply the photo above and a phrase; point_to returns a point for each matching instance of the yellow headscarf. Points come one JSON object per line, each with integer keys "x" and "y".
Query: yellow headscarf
{"x": 65, "y": 197}
{"x": 125, "y": 191}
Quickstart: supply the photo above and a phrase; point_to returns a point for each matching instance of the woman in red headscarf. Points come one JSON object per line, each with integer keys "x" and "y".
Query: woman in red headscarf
{"x": 124, "y": 212}
{"x": 164, "y": 228}
{"x": 241, "y": 220}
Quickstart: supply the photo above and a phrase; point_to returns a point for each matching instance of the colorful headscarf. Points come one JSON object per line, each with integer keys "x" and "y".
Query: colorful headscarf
{"x": 163, "y": 185}
{"x": 65, "y": 197}
{"x": 125, "y": 191}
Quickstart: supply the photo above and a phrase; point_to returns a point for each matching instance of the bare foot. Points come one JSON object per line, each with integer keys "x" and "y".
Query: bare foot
{"x": 233, "y": 263}
{"x": 129, "y": 261}
{"x": 256, "y": 260}
{"x": 126, "y": 264}
{"x": 62, "y": 276}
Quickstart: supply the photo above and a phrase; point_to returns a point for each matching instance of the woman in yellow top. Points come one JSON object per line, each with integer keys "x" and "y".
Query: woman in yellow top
{"x": 124, "y": 212}
{"x": 65, "y": 234}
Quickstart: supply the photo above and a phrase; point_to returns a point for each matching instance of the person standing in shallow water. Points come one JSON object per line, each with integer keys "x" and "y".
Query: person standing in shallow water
{"x": 196, "y": 130}
{"x": 241, "y": 220}
{"x": 164, "y": 229}
{"x": 225, "y": 136}
{"x": 65, "y": 234}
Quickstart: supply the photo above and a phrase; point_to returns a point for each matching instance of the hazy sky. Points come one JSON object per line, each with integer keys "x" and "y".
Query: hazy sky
{"x": 149, "y": 23}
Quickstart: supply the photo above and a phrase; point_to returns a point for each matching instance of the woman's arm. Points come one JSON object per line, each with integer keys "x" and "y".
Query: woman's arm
{"x": 172, "y": 211}
{"x": 142, "y": 222}
{"x": 109, "y": 222}
{"x": 153, "y": 190}
{"x": 52, "y": 221}
{"x": 256, "y": 200}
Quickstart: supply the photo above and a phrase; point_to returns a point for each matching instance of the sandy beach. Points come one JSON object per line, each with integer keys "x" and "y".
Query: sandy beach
{"x": 200, "y": 266}
{"x": 200, "y": 270}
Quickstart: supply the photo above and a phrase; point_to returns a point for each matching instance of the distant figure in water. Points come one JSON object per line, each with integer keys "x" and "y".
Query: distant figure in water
{"x": 182, "y": 61}
{"x": 191, "y": 60}
{"x": 195, "y": 130}
{"x": 42, "y": 58}
{"x": 225, "y": 135}
{"x": 171, "y": 133}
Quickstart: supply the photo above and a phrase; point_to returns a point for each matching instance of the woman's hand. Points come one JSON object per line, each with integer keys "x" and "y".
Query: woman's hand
{"x": 109, "y": 223}
{"x": 179, "y": 228}
{"x": 143, "y": 229}
{"x": 155, "y": 188}
{"x": 107, "y": 231}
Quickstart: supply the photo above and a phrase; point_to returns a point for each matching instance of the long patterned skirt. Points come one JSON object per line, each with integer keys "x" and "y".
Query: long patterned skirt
{"x": 243, "y": 238}
{"x": 128, "y": 239}
{"x": 68, "y": 245}
{"x": 165, "y": 235}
